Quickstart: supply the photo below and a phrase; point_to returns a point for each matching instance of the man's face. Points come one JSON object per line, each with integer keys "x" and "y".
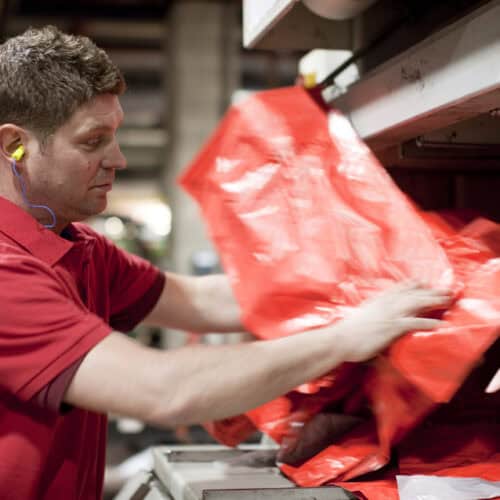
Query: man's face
{"x": 75, "y": 170}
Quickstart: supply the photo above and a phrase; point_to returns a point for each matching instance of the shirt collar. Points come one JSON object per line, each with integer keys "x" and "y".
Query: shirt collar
{"x": 26, "y": 231}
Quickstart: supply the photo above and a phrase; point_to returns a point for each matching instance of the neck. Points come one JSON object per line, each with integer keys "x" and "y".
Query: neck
{"x": 13, "y": 189}
{"x": 38, "y": 212}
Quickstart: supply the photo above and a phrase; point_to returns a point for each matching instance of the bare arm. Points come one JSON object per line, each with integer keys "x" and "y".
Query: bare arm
{"x": 195, "y": 383}
{"x": 199, "y": 383}
{"x": 201, "y": 304}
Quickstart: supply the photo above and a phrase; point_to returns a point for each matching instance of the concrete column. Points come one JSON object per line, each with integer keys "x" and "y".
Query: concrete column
{"x": 203, "y": 46}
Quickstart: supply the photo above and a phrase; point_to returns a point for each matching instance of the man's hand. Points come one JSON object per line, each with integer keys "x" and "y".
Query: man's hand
{"x": 494, "y": 384}
{"x": 377, "y": 322}
{"x": 321, "y": 431}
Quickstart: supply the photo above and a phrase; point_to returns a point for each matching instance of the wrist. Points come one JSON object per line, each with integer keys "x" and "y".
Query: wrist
{"x": 343, "y": 339}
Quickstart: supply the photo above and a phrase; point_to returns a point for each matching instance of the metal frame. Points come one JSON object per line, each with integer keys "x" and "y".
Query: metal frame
{"x": 199, "y": 473}
{"x": 449, "y": 77}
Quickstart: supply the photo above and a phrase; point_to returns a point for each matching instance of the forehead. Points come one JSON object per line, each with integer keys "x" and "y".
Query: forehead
{"x": 103, "y": 111}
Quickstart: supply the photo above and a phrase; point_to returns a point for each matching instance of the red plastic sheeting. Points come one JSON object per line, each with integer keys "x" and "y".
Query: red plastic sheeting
{"x": 308, "y": 224}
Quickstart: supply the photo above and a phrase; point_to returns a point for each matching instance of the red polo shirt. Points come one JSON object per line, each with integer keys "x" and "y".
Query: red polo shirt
{"x": 60, "y": 296}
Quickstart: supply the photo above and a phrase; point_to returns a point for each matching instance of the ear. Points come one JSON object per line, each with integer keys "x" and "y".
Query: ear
{"x": 11, "y": 137}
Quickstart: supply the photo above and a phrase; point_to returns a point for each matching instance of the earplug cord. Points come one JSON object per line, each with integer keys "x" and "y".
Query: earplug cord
{"x": 25, "y": 198}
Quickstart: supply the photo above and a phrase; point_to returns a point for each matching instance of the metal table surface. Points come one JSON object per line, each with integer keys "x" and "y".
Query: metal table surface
{"x": 199, "y": 472}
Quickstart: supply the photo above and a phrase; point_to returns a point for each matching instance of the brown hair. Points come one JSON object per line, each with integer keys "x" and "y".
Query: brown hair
{"x": 45, "y": 75}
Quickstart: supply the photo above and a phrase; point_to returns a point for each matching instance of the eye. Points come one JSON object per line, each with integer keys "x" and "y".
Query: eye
{"x": 94, "y": 142}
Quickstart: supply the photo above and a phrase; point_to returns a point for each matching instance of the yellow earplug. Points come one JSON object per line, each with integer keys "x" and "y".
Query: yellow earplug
{"x": 18, "y": 153}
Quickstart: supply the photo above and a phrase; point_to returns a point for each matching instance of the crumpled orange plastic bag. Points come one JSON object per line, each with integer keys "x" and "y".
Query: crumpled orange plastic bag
{"x": 308, "y": 224}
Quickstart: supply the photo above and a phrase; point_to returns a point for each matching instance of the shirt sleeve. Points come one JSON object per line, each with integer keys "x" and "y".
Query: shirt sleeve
{"x": 42, "y": 331}
{"x": 51, "y": 396}
{"x": 132, "y": 298}
{"x": 135, "y": 286}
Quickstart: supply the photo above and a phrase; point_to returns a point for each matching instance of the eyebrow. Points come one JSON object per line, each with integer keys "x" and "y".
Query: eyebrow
{"x": 95, "y": 128}
{"x": 98, "y": 126}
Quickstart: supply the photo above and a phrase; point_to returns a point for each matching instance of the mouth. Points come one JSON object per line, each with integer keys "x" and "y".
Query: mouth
{"x": 104, "y": 187}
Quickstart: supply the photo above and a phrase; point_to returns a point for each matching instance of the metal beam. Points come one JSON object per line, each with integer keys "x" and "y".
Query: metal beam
{"x": 449, "y": 77}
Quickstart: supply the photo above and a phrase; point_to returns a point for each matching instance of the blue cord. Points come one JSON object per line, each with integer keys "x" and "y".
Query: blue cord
{"x": 27, "y": 202}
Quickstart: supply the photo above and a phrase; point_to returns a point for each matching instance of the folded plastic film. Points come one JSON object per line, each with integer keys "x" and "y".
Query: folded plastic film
{"x": 308, "y": 224}
{"x": 284, "y": 201}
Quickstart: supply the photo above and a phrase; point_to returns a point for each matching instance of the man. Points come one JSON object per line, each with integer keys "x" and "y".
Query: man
{"x": 67, "y": 291}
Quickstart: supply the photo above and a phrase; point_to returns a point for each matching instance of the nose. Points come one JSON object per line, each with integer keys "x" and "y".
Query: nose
{"x": 114, "y": 159}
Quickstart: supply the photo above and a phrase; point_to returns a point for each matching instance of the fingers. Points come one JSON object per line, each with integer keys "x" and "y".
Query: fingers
{"x": 410, "y": 297}
{"x": 409, "y": 324}
{"x": 400, "y": 291}
{"x": 420, "y": 299}
{"x": 314, "y": 436}
{"x": 494, "y": 385}
{"x": 425, "y": 299}
{"x": 394, "y": 312}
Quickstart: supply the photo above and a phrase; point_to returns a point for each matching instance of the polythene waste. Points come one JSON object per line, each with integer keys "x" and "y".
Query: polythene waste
{"x": 308, "y": 224}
